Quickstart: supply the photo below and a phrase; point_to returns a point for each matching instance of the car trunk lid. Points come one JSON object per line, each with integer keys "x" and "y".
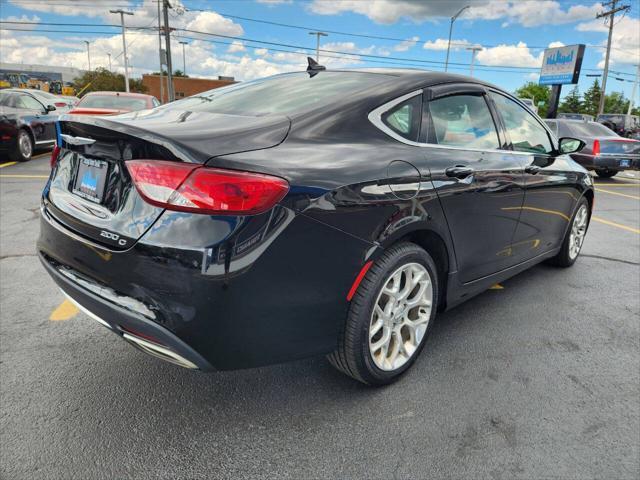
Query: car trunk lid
{"x": 91, "y": 192}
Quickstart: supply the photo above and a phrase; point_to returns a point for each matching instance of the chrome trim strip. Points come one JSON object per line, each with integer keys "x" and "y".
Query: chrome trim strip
{"x": 85, "y": 310}
{"x": 159, "y": 351}
{"x": 44, "y": 141}
{"x": 375, "y": 117}
{"x": 71, "y": 140}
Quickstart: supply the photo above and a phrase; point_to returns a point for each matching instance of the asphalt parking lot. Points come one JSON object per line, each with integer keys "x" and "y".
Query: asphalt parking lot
{"x": 536, "y": 378}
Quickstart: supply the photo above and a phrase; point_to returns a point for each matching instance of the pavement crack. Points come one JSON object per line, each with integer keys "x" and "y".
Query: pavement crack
{"x": 611, "y": 259}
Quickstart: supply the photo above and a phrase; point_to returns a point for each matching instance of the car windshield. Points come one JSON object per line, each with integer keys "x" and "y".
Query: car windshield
{"x": 612, "y": 118}
{"x": 590, "y": 129}
{"x": 282, "y": 94}
{"x": 116, "y": 102}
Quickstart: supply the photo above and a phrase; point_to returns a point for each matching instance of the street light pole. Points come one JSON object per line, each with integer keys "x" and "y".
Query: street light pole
{"x": 88, "y": 54}
{"x": 109, "y": 55}
{"x": 124, "y": 46}
{"x": 318, "y": 35}
{"x": 474, "y": 50}
{"x": 167, "y": 41}
{"x": 184, "y": 63}
{"x": 453, "y": 19}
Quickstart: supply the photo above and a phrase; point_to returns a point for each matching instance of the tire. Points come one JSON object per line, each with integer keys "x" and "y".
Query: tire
{"x": 568, "y": 254}
{"x": 23, "y": 149}
{"x": 354, "y": 356}
{"x": 606, "y": 173}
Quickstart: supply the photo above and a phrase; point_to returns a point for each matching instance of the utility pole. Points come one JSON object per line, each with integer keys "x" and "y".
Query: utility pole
{"x": 453, "y": 19}
{"x": 184, "y": 63}
{"x": 611, "y": 13}
{"x": 88, "y": 54}
{"x": 109, "y": 55}
{"x": 635, "y": 89}
{"x": 160, "y": 51}
{"x": 167, "y": 40}
{"x": 474, "y": 51}
{"x": 124, "y": 46}
{"x": 318, "y": 35}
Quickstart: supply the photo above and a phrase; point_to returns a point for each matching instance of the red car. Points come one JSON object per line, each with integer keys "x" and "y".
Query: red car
{"x": 113, "y": 103}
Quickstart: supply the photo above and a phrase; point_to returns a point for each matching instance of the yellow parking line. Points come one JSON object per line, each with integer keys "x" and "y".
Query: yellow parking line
{"x": 65, "y": 311}
{"x": 616, "y": 185}
{"x": 24, "y": 176}
{"x": 614, "y": 224}
{"x": 8, "y": 164}
{"x": 497, "y": 286}
{"x": 635, "y": 197}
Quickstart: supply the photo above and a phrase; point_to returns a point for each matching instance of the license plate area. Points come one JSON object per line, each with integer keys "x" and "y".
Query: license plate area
{"x": 91, "y": 178}
{"x": 625, "y": 162}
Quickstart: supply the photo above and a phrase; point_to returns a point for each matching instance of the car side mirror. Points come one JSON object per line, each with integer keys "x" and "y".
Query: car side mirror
{"x": 50, "y": 108}
{"x": 570, "y": 145}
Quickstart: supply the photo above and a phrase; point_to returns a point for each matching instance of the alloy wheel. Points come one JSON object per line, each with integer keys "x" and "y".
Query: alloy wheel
{"x": 578, "y": 231}
{"x": 400, "y": 316}
{"x": 24, "y": 144}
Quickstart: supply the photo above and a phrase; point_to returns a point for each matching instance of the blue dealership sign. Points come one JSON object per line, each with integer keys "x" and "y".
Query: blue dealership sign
{"x": 561, "y": 65}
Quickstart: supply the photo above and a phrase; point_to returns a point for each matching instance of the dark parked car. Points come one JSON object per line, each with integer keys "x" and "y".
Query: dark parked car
{"x": 25, "y": 124}
{"x": 328, "y": 212}
{"x": 604, "y": 151}
{"x": 623, "y": 125}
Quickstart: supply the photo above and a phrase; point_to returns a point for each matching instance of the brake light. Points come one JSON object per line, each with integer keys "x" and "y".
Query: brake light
{"x": 54, "y": 156}
{"x": 188, "y": 187}
{"x": 596, "y": 147}
{"x": 60, "y": 104}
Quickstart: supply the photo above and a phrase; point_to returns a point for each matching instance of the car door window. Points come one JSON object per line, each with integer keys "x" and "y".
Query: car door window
{"x": 405, "y": 118}
{"x": 27, "y": 101}
{"x": 525, "y": 132}
{"x": 464, "y": 121}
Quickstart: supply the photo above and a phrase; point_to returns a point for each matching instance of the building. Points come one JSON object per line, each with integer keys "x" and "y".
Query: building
{"x": 49, "y": 72}
{"x": 183, "y": 86}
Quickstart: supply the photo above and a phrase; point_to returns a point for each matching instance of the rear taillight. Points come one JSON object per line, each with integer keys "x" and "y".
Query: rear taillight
{"x": 60, "y": 104}
{"x": 596, "y": 147}
{"x": 188, "y": 187}
{"x": 55, "y": 153}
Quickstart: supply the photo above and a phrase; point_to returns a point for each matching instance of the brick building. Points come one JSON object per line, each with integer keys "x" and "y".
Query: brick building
{"x": 183, "y": 86}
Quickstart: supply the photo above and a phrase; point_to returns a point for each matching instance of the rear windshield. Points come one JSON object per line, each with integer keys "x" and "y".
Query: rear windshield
{"x": 281, "y": 94}
{"x": 591, "y": 129}
{"x": 115, "y": 102}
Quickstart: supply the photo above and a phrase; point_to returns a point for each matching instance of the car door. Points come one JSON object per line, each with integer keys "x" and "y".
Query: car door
{"x": 480, "y": 187}
{"x": 41, "y": 121}
{"x": 550, "y": 183}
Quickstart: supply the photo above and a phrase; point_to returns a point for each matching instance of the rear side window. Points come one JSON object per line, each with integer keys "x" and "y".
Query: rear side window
{"x": 405, "y": 118}
{"x": 525, "y": 132}
{"x": 463, "y": 121}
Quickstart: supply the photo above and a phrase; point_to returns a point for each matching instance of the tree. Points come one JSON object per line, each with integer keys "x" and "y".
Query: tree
{"x": 591, "y": 99}
{"x": 176, "y": 73}
{"x": 538, "y": 93}
{"x": 571, "y": 103}
{"x": 102, "y": 79}
{"x": 615, "y": 103}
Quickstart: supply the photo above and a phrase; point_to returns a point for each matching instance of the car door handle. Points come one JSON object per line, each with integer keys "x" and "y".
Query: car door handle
{"x": 532, "y": 169}
{"x": 459, "y": 171}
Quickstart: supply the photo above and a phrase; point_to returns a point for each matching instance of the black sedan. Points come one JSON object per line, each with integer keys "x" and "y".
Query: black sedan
{"x": 25, "y": 124}
{"x": 605, "y": 151}
{"x": 320, "y": 212}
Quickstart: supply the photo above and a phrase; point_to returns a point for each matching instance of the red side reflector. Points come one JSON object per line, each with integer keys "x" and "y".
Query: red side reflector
{"x": 188, "y": 187}
{"x": 60, "y": 104}
{"x": 356, "y": 283}
{"x": 55, "y": 153}
{"x": 596, "y": 147}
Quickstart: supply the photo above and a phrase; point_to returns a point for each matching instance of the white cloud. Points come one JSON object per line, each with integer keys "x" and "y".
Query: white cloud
{"x": 441, "y": 44}
{"x": 261, "y": 51}
{"x": 67, "y": 7}
{"x": 510, "y": 55}
{"x": 236, "y": 46}
{"x": 406, "y": 44}
{"x": 528, "y": 13}
{"x": 625, "y": 41}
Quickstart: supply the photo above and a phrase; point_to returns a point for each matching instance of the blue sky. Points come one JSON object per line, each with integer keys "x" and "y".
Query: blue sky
{"x": 512, "y": 34}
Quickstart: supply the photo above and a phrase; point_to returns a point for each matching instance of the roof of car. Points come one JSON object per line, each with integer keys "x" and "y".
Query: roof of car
{"x": 120, "y": 94}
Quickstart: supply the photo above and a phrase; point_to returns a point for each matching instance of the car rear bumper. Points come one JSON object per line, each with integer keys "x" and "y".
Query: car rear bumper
{"x": 274, "y": 292}
{"x": 617, "y": 162}
{"x": 133, "y": 327}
